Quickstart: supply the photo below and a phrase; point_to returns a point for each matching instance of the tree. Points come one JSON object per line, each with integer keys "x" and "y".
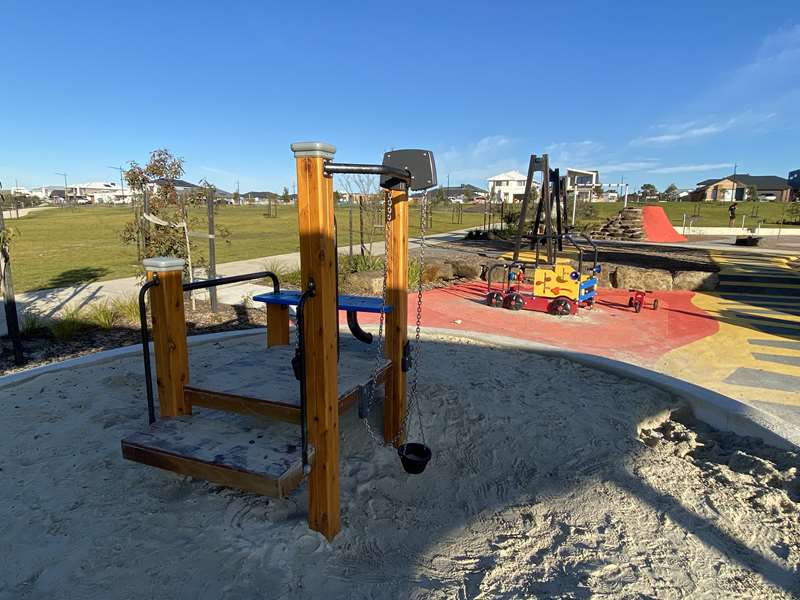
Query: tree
{"x": 671, "y": 193}
{"x": 752, "y": 193}
{"x": 162, "y": 228}
{"x": 469, "y": 194}
{"x": 648, "y": 189}
{"x": 285, "y": 198}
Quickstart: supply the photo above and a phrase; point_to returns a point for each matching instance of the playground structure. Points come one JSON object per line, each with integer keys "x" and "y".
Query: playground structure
{"x": 220, "y": 444}
{"x": 545, "y": 281}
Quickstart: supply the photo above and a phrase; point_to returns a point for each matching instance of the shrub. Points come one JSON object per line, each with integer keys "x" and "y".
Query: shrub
{"x": 127, "y": 308}
{"x": 359, "y": 263}
{"x": 103, "y": 314}
{"x": 68, "y": 324}
{"x": 414, "y": 273}
{"x": 285, "y": 276}
{"x": 32, "y": 323}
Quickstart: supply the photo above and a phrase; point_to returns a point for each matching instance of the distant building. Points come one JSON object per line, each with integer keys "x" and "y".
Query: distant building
{"x": 100, "y": 192}
{"x": 507, "y": 187}
{"x": 582, "y": 184}
{"x": 180, "y": 185}
{"x": 735, "y": 187}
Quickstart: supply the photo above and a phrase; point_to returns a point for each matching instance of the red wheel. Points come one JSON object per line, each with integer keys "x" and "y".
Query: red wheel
{"x": 560, "y": 306}
{"x": 494, "y": 299}
{"x": 514, "y": 301}
{"x": 655, "y": 304}
{"x": 630, "y": 302}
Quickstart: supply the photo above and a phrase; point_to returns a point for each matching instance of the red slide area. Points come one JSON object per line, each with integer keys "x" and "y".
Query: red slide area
{"x": 657, "y": 227}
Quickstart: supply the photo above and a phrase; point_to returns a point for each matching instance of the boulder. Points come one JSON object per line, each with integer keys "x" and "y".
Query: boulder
{"x": 498, "y": 274}
{"x": 695, "y": 280}
{"x": 469, "y": 268}
{"x": 436, "y": 270}
{"x": 605, "y": 275}
{"x": 370, "y": 282}
{"x": 626, "y": 277}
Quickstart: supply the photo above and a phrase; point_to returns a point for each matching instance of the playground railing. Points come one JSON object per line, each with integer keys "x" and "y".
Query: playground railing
{"x": 195, "y": 285}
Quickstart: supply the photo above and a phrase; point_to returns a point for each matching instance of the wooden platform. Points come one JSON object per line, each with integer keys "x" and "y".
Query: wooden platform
{"x": 265, "y": 460}
{"x": 244, "y": 431}
{"x": 261, "y": 381}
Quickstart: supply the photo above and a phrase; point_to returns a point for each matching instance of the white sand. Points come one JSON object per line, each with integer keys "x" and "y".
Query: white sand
{"x": 535, "y": 490}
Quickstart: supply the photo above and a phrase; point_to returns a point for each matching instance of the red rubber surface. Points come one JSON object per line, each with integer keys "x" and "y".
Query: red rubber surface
{"x": 611, "y": 329}
{"x": 657, "y": 227}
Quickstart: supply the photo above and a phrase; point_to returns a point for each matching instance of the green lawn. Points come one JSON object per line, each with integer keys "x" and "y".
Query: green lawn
{"x": 61, "y": 247}
{"x": 710, "y": 214}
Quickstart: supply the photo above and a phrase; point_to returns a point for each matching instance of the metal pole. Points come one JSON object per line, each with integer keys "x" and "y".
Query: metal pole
{"x": 212, "y": 249}
{"x": 9, "y": 299}
{"x": 14, "y": 197}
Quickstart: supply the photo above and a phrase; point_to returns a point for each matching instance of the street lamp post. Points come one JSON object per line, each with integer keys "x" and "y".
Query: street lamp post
{"x": 121, "y": 181}
{"x": 64, "y": 175}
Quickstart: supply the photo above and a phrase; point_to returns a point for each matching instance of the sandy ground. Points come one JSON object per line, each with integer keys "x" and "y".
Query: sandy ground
{"x": 572, "y": 490}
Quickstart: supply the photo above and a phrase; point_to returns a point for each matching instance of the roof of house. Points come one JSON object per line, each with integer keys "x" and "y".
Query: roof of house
{"x": 762, "y": 182}
{"x": 509, "y": 175}
{"x": 97, "y": 185}
{"x": 178, "y": 183}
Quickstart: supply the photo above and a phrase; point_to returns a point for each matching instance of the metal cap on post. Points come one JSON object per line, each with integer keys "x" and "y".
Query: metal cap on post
{"x": 163, "y": 264}
{"x": 313, "y": 149}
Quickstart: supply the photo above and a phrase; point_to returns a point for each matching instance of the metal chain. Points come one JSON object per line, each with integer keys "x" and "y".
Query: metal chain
{"x": 379, "y": 355}
{"x": 412, "y": 397}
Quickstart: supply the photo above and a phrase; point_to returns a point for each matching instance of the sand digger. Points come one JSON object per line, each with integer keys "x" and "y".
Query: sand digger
{"x": 545, "y": 279}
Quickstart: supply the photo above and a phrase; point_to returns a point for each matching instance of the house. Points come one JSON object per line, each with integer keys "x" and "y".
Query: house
{"x": 507, "y": 187}
{"x": 735, "y": 187}
{"x": 100, "y": 192}
{"x": 582, "y": 185}
{"x": 180, "y": 185}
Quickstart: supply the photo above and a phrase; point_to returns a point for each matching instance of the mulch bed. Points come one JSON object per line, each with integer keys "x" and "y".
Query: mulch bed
{"x": 43, "y": 348}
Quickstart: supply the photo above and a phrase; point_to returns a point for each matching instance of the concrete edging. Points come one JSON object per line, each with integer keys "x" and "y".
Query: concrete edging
{"x": 715, "y": 409}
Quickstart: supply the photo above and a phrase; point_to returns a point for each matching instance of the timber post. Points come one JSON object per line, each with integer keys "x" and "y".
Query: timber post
{"x": 169, "y": 334}
{"x": 397, "y": 319}
{"x": 318, "y": 263}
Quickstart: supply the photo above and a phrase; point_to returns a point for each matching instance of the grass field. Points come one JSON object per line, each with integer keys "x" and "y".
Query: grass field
{"x": 61, "y": 247}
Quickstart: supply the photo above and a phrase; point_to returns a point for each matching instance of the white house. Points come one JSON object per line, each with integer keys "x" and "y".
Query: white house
{"x": 101, "y": 192}
{"x": 507, "y": 187}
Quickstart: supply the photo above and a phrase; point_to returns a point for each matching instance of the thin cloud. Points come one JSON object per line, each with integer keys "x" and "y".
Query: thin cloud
{"x": 691, "y": 130}
{"x": 685, "y": 134}
{"x": 622, "y": 167}
{"x": 691, "y": 168}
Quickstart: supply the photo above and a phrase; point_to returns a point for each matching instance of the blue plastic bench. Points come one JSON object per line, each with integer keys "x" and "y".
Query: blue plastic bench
{"x": 367, "y": 304}
{"x": 351, "y": 304}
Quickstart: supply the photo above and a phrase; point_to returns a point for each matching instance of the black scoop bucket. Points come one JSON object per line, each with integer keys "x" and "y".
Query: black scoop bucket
{"x": 414, "y": 457}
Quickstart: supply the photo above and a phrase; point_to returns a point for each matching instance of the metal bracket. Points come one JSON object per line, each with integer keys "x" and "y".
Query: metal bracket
{"x": 419, "y": 163}
{"x": 406, "y": 361}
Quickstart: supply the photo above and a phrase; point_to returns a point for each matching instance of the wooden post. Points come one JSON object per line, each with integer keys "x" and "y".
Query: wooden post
{"x": 318, "y": 262}
{"x": 394, "y": 408}
{"x": 169, "y": 334}
{"x": 277, "y": 325}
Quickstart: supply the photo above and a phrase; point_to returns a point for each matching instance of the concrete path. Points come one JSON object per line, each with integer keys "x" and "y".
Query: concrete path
{"x": 52, "y": 301}
{"x": 23, "y": 212}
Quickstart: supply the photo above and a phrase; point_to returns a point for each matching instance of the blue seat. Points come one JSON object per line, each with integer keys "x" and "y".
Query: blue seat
{"x": 366, "y": 304}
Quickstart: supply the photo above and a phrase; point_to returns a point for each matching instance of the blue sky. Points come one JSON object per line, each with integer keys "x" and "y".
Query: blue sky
{"x": 656, "y": 92}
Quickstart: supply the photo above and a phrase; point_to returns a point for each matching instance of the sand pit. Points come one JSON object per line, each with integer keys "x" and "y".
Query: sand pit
{"x": 577, "y": 490}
